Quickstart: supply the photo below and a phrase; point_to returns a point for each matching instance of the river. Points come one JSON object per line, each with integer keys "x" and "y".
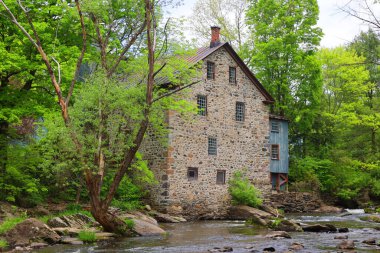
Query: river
{"x": 201, "y": 236}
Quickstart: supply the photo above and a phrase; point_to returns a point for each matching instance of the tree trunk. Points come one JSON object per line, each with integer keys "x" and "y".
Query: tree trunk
{"x": 110, "y": 223}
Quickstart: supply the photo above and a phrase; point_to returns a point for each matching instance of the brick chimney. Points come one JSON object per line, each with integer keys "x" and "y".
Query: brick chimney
{"x": 215, "y": 33}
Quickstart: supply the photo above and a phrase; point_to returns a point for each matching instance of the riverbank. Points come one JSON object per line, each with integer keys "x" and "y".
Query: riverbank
{"x": 207, "y": 236}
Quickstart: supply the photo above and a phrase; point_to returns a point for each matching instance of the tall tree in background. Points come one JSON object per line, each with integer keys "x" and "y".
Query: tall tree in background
{"x": 285, "y": 39}
{"x": 228, "y": 14}
{"x": 367, "y": 45}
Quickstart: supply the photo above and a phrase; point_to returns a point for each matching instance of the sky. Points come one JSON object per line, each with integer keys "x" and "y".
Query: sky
{"x": 338, "y": 27}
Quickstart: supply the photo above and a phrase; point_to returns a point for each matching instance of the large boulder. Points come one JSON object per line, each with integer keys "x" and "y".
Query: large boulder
{"x": 145, "y": 228}
{"x": 29, "y": 231}
{"x": 288, "y": 226}
{"x": 249, "y": 213}
{"x": 144, "y": 225}
{"x": 73, "y": 221}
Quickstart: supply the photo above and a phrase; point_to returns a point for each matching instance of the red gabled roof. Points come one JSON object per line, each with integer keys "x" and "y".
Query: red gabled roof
{"x": 203, "y": 52}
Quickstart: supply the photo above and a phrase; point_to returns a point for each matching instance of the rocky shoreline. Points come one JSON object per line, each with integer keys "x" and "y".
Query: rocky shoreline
{"x": 65, "y": 229}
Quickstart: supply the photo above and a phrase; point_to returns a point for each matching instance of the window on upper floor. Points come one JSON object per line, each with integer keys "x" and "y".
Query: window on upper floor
{"x": 275, "y": 152}
{"x": 210, "y": 70}
{"x": 232, "y": 75}
{"x": 221, "y": 177}
{"x": 212, "y": 146}
{"x": 275, "y": 126}
{"x": 202, "y": 105}
{"x": 192, "y": 174}
{"x": 240, "y": 111}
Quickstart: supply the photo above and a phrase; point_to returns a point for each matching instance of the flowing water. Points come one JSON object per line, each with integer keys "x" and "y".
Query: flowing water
{"x": 201, "y": 236}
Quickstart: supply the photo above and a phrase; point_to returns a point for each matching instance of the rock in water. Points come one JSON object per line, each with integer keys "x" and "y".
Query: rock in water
{"x": 341, "y": 237}
{"x": 278, "y": 234}
{"x": 288, "y": 226}
{"x": 269, "y": 249}
{"x": 346, "y": 244}
{"x": 319, "y": 228}
{"x": 31, "y": 230}
{"x": 296, "y": 246}
{"x": 371, "y": 241}
{"x": 249, "y": 213}
{"x": 145, "y": 228}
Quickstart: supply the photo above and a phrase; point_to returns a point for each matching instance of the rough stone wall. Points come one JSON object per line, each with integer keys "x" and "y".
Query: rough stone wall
{"x": 155, "y": 151}
{"x": 296, "y": 202}
{"x": 239, "y": 144}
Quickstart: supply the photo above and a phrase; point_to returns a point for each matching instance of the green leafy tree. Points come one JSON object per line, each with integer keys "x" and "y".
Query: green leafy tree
{"x": 115, "y": 106}
{"x": 285, "y": 39}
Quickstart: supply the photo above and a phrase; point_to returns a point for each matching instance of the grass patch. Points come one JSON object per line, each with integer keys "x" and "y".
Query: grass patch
{"x": 130, "y": 223}
{"x": 10, "y": 223}
{"x": 87, "y": 236}
{"x": 3, "y": 244}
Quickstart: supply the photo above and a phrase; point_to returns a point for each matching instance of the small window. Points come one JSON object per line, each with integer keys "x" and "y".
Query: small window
{"x": 212, "y": 147}
{"x": 275, "y": 126}
{"x": 192, "y": 174}
{"x": 240, "y": 111}
{"x": 210, "y": 70}
{"x": 221, "y": 177}
{"x": 275, "y": 154}
{"x": 202, "y": 105}
{"x": 232, "y": 75}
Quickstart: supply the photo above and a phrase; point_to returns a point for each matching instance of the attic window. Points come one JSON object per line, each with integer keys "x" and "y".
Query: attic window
{"x": 210, "y": 70}
{"x": 275, "y": 126}
{"x": 275, "y": 152}
{"x": 232, "y": 75}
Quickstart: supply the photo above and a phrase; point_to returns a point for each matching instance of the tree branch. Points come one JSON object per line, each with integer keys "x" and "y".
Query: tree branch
{"x": 126, "y": 48}
{"x": 175, "y": 91}
{"x": 80, "y": 58}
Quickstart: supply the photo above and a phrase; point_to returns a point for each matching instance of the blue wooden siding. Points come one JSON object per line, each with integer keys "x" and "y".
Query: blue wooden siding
{"x": 280, "y": 138}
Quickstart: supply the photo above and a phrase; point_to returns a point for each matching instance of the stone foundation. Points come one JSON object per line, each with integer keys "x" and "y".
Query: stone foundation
{"x": 296, "y": 202}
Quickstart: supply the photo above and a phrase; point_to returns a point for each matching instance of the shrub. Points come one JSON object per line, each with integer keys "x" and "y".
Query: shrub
{"x": 3, "y": 244}
{"x": 130, "y": 223}
{"x": 243, "y": 192}
{"x": 87, "y": 236}
{"x": 10, "y": 223}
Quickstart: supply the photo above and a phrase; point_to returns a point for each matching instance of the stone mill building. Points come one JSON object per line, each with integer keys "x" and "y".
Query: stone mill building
{"x": 230, "y": 132}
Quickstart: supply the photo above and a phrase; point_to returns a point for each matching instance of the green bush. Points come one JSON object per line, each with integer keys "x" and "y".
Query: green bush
{"x": 243, "y": 192}
{"x": 3, "y": 244}
{"x": 130, "y": 223}
{"x": 87, "y": 236}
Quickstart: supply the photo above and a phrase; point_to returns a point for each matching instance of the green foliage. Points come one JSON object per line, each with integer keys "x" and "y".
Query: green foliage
{"x": 373, "y": 218}
{"x": 87, "y": 236}
{"x": 3, "y": 244}
{"x": 130, "y": 223}
{"x": 242, "y": 191}
{"x": 284, "y": 60}
{"x": 10, "y": 223}
{"x": 275, "y": 223}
